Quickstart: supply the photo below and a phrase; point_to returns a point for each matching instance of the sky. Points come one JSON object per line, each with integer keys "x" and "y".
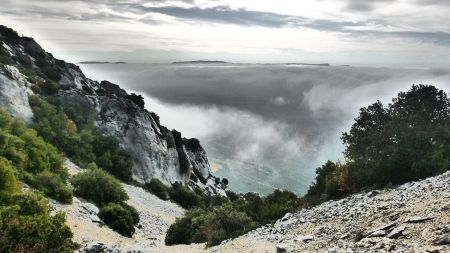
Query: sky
{"x": 407, "y": 33}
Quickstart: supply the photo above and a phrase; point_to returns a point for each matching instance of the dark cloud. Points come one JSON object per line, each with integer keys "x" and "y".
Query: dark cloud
{"x": 226, "y": 15}
{"x": 367, "y": 6}
{"x": 108, "y": 10}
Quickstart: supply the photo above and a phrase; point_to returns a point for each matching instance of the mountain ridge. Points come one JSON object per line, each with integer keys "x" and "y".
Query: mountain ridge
{"x": 156, "y": 151}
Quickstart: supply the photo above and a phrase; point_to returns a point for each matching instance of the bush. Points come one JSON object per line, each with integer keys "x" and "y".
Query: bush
{"x": 212, "y": 227}
{"x": 83, "y": 143}
{"x": 8, "y": 183}
{"x": 181, "y": 231}
{"x": 49, "y": 87}
{"x": 27, "y": 226}
{"x": 8, "y": 34}
{"x": 120, "y": 217}
{"x": 111, "y": 157}
{"x": 137, "y": 99}
{"x": 23, "y": 60}
{"x": 99, "y": 187}
{"x": 158, "y": 188}
{"x": 184, "y": 196}
{"x": 36, "y": 162}
{"x": 51, "y": 185}
{"x": 226, "y": 222}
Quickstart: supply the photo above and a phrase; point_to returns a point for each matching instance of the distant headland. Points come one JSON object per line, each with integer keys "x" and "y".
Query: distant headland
{"x": 101, "y": 62}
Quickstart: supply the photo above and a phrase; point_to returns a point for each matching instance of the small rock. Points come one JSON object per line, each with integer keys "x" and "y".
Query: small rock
{"x": 281, "y": 248}
{"x": 286, "y": 217}
{"x": 303, "y": 238}
{"x": 386, "y": 227}
{"x": 344, "y": 236}
{"x": 331, "y": 250}
{"x": 379, "y": 233}
{"x": 441, "y": 240}
{"x": 372, "y": 194}
{"x": 96, "y": 219}
{"x": 396, "y": 232}
{"x": 418, "y": 219}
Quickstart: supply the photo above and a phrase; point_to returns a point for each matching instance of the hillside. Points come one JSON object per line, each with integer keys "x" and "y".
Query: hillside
{"x": 413, "y": 217}
{"x": 156, "y": 152}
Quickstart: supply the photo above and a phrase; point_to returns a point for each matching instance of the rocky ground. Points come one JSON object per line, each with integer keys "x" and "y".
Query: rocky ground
{"x": 414, "y": 217}
{"x": 155, "y": 214}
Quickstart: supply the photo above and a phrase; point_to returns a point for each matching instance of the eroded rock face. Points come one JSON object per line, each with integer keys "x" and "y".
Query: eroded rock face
{"x": 156, "y": 151}
{"x": 14, "y": 93}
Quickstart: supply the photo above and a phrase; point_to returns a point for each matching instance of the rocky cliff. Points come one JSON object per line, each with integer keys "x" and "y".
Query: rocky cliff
{"x": 157, "y": 152}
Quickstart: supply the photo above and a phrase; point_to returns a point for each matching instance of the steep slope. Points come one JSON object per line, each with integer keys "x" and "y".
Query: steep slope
{"x": 413, "y": 217}
{"x": 155, "y": 214}
{"x": 25, "y": 68}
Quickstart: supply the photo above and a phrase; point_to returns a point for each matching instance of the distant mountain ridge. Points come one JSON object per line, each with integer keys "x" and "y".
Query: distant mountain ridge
{"x": 201, "y": 62}
{"x": 102, "y": 62}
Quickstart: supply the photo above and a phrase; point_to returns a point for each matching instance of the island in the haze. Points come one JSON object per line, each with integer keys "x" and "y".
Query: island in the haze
{"x": 200, "y": 62}
{"x": 101, "y": 62}
{"x": 309, "y": 64}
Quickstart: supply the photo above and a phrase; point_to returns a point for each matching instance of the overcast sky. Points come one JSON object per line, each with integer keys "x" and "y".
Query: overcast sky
{"x": 376, "y": 32}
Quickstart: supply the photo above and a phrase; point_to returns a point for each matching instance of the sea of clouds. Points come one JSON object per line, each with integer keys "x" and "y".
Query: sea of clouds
{"x": 264, "y": 126}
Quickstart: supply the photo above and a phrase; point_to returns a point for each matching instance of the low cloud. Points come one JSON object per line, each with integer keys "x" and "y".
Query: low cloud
{"x": 283, "y": 120}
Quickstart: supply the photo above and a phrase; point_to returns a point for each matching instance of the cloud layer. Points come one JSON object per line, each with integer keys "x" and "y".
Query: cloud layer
{"x": 272, "y": 124}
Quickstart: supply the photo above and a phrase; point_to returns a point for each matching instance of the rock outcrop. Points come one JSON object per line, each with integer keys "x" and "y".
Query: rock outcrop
{"x": 156, "y": 151}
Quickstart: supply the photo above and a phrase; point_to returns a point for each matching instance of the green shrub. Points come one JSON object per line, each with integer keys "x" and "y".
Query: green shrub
{"x": 49, "y": 87}
{"x": 184, "y": 196}
{"x": 232, "y": 196}
{"x": 120, "y": 217}
{"x": 158, "y": 188}
{"x": 30, "y": 203}
{"x": 51, "y": 185}
{"x": 111, "y": 157}
{"x": 83, "y": 143}
{"x": 23, "y": 60}
{"x": 36, "y": 162}
{"x": 226, "y": 222}
{"x": 181, "y": 231}
{"x": 8, "y": 182}
{"x": 33, "y": 230}
{"x": 99, "y": 187}
{"x": 8, "y": 35}
{"x": 212, "y": 227}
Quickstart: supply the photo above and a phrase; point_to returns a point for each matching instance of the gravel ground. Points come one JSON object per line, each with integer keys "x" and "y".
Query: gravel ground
{"x": 414, "y": 217}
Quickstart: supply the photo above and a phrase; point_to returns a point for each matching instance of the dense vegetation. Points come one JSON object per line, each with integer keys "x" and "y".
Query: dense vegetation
{"x": 407, "y": 139}
{"x": 213, "y": 218}
{"x": 67, "y": 129}
{"x": 38, "y": 163}
{"x": 26, "y": 224}
{"x": 71, "y": 130}
{"x": 106, "y": 192}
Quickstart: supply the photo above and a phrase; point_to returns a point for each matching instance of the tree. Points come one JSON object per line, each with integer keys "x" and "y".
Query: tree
{"x": 401, "y": 141}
